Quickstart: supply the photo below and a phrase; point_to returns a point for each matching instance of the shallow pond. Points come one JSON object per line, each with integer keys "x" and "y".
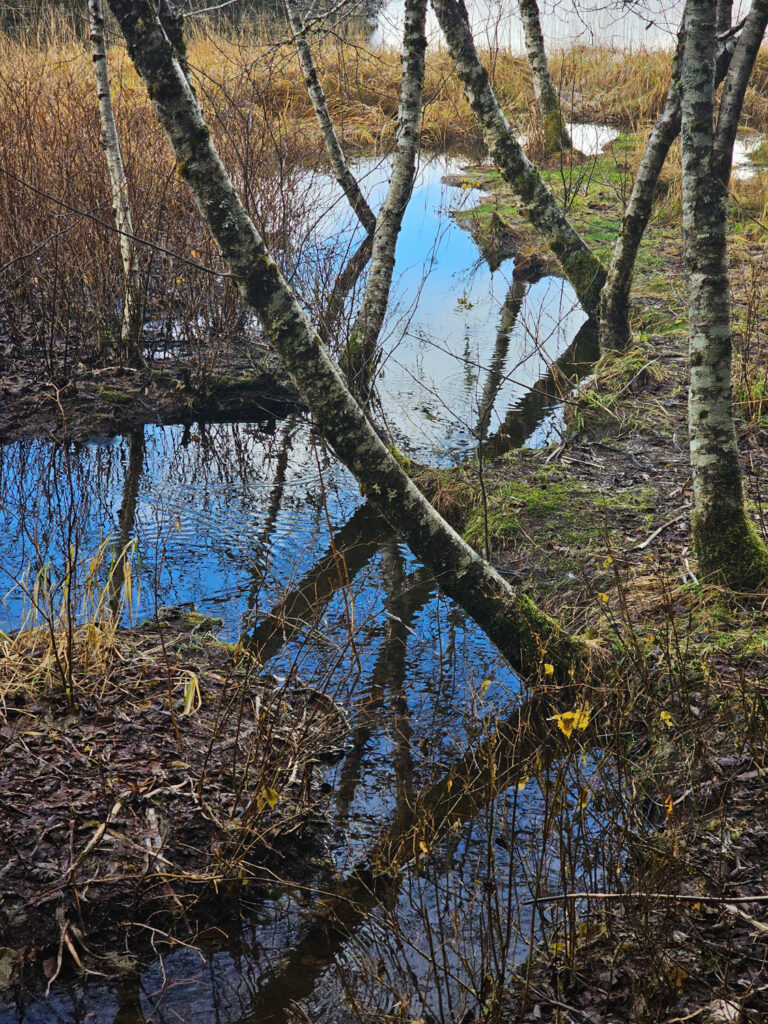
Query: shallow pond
{"x": 237, "y": 519}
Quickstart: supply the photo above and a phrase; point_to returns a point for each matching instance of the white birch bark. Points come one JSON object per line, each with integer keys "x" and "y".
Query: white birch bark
{"x": 554, "y": 131}
{"x": 339, "y": 165}
{"x": 727, "y": 546}
{"x": 537, "y": 204}
{"x": 614, "y": 299}
{"x": 360, "y": 360}
{"x": 735, "y": 87}
{"x": 511, "y": 620}
{"x": 130, "y": 333}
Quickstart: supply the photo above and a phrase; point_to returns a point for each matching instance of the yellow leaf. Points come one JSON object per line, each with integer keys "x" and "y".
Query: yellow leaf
{"x": 608, "y": 562}
{"x": 272, "y": 796}
{"x": 667, "y": 719}
{"x": 570, "y": 720}
{"x": 267, "y": 797}
{"x": 449, "y": 785}
{"x": 669, "y": 804}
{"x": 549, "y": 670}
{"x": 423, "y": 846}
{"x": 603, "y": 597}
{"x": 584, "y": 796}
{"x": 521, "y": 783}
{"x": 485, "y": 686}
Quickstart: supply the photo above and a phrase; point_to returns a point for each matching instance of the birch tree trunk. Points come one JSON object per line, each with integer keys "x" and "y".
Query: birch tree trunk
{"x": 361, "y": 357}
{"x": 614, "y": 300}
{"x": 522, "y": 633}
{"x": 554, "y": 131}
{"x": 726, "y": 543}
{"x": 537, "y": 204}
{"x": 130, "y": 332}
{"x": 339, "y": 165}
{"x": 724, "y": 15}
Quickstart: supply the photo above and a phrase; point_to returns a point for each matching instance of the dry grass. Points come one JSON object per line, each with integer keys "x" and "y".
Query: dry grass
{"x": 62, "y": 272}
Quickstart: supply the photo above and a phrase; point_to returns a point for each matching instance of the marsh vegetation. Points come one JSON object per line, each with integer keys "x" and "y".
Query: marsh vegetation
{"x": 265, "y": 756}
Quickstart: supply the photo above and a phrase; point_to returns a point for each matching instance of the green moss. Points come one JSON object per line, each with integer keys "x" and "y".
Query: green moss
{"x": 402, "y": 460}
{"x": 559, "y": 515}
{"x": 113, "y": 397}
{"x": 729, "y": 550}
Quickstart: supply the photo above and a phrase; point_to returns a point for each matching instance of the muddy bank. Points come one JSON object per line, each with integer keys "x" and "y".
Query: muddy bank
{"x": 103, "y": 401}
{"x": 171, "y": 776}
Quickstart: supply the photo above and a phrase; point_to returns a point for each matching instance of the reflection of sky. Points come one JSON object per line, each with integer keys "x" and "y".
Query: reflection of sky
{"x": 441, "y": 326}
{"x": 215, "y": 527}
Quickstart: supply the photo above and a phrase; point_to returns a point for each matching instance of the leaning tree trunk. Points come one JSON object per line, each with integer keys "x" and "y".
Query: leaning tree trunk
{"x": 724, "y": 15}
{"x": 361, "y": 357}
{"x": 339, "y": 165}
{"x": 537, "y": 204}
{"x": 130, "y": 332}
{"x": 521, "y": 632}
{"x": 727, "y": 546}
{"x": 553, "y": 128}
{"x": 614, "y": 300}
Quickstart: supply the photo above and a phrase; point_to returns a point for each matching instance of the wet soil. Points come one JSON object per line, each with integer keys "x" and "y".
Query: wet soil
{"x": 605, "y": 544}
{"x": 106, "y": 400}
{"x": 175, "y": 775}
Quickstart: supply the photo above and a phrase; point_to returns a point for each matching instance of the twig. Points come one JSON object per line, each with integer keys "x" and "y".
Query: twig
{"x": 679, "y": 897}
{"x": 655, "y": 534}
{"x": 97, "y": 836}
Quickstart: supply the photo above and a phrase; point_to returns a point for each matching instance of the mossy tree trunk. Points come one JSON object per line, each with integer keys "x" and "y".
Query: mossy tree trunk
{"x": 524, "y": 635}
{"x": 553, "y": 129}
{"x": 361, "y": 357}
{"x": 614, "y": 300}
{"x": 130, "y": 330}
{"x": 537, "y": 204}
{"x": 728, "y": 548}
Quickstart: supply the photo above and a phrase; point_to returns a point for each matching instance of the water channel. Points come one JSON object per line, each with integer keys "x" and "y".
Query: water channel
{"x": 234, "y": 517}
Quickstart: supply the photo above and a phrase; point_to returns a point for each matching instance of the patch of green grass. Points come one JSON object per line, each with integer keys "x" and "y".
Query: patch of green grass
{"x": 113, "y": 397}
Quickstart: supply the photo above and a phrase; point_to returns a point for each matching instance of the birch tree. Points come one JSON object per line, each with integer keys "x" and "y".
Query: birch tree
{"x": 537, "y": 204}
{"x": 130, "y": 333}
{"x": 727, "y": 546}
{"x": 360, "y": 359}
{"x": 614, "y": 300}
{"x": 341, "y": 172}
{"x": 553, "y": 127}
{"x": 523, "y": 634}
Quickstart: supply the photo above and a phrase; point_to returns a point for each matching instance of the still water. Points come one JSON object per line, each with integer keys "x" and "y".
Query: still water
{"x": 236, "y": 519}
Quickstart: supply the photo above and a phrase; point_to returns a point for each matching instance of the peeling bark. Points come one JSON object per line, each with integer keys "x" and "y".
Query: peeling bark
{"x": 537, "y": 204}
{"x": 554, "y": 131}
{"x": 726, "y": 543}
{"x": 339, "y": 165}
{"x": 130, "y": 331}
{"x": 523, "y": 634}
{"x": 361, "y": 357}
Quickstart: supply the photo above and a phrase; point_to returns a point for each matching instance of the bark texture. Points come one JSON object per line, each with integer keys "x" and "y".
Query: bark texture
{"x": 735, "y": 87}
{"x": 520, "y": 631}
{"x": 614, "y": 300}
{"x": 582, "y": 268}
{"x": 727, "y": 546}
{"x": 554, "y": 131}
{"x": 339, "y": 165}
{"x": 130, "y": 331}
{"x": 361, "y": 357}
